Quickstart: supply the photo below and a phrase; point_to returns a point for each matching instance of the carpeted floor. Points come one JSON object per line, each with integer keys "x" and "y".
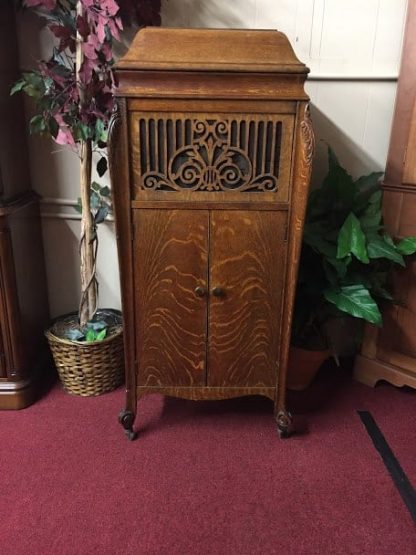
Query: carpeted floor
{"x": 206, "y": 478}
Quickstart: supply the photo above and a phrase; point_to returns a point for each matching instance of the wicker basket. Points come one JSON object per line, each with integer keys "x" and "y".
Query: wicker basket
{"x": 88, "y": 369}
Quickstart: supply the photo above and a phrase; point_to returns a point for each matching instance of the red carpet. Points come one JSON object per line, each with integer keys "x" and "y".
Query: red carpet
{"x": 205, "y": 478}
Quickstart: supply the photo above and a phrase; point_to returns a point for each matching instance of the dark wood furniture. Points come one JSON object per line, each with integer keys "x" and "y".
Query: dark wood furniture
{"x": 389, "y": 353}
{"x": 23, "y": 296}
{"x": 210, "y": 157}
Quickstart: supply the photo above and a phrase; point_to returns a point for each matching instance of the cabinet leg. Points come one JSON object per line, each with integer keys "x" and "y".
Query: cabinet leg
{"x": 126, "y": 419}
{"x": 284, "y": 423}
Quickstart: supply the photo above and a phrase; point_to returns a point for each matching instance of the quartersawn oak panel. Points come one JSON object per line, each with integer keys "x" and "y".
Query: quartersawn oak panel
{"x": 171, "y": 260}
{"x": 247, "y": 261}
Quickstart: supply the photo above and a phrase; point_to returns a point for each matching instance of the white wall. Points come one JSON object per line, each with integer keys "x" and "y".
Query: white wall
{"x": 353, "y": 49}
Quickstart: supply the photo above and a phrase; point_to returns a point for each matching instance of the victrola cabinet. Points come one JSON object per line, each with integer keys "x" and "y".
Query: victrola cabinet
{"x": 210, "y": 156}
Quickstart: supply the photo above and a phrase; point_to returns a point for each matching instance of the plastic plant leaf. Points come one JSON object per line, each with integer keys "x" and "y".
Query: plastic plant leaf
{"x": 18, "y": 86}
{"x": 367, "y": 182}
{"x": 95, "y": 200}
{"x": 315, "y": 235}
{"x": 97, "y": 326}
{"x": 74, "y": 335}
{"x": 370, "y": 219}
{"x": 90, "y": 336}
{"x": 101, "y": 335}
{"x": 340, "y": 265}
{"x": 101, "y": 215}
{"x": 378, "y": 247}
{"x": 351, "y": 240}
{"x": 407, "y": 246}
{"x": 78, "y": 206}
{"x": 102, "y": 166}
{"x": 356, "y": 301}
{"x": 105, "y": 191}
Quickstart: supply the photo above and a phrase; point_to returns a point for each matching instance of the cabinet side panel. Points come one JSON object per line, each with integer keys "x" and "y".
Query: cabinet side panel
{"x": 171, "y": 257}
{"x": 248, "y": 252}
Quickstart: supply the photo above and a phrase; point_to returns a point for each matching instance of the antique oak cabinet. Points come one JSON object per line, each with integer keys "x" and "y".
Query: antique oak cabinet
{"x": 23, "y": 295}
{"x": 210, "y": 157}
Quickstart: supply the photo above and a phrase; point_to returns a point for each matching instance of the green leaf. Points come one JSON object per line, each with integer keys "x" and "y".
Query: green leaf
{"x": 95, "y": 200}
{"x": 78, "y": 206}
{"x": 96, "y": 326}
{"x": 105, "y": 191}
{"x": 351, "y": 240}
{"x": 101, "y": 214}
{"x": 53, "y": 126}
{"x": 102, "y": 166}
{"x": 370, "y": 219}
{"x": 18, "y": 86}
{"x": 101, "y": 335}
{"x": 340, "y": 265}
{"x": 37, "y": 124}
{"x": 370, "y": 195}
{"x": 367, "y": 182}
{"x": 378, "y": 247}
{"x": 315, "y": 235}
{"x": 96, "y": 187}
{"x": 407, "y": 246}
{"x": 90, "y": 336}
{"x": 74, "y": 335}
{"x": 356, "y": 301}
{"x": 100, "y": 132}
{"x": 376, "y": 198}
{"x": 81, "y": 132}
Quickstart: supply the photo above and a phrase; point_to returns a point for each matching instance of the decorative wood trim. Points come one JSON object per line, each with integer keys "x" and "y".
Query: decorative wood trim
{"x": 304, "y": 147}
{"x": 370, "y": 371}
{"x": 120, "y": 178}
{"x": 208, "y": 205}
{"x": 17, "y": 395}
{"x": 409, "y": 188}
{"x": 10, "y": 322}
{"x": 208, "y": 393}
{"x": 177, "y": 84}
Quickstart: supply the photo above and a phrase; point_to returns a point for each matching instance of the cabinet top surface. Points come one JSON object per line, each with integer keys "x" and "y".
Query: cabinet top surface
{"x": 211, "y": 50}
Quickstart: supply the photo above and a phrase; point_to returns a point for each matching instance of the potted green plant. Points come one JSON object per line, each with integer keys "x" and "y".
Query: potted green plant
{"x": 73, "y": 94}
{"x": 346, "y": 259}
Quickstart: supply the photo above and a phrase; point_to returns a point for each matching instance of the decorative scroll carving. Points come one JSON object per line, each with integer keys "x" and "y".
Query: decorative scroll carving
{"x": 210, "y": 154}
{"x": 308, "y": 139}
{"x": 114, "y": 128}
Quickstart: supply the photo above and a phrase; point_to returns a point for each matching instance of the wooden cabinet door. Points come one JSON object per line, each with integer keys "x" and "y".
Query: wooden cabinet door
{"x": 171, "y": 262}
{"x": 247, "y": 259}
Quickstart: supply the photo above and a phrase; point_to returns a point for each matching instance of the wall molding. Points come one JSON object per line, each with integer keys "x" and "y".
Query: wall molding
{"x": 356, "y": 77}
{"x": 61, "y": 203}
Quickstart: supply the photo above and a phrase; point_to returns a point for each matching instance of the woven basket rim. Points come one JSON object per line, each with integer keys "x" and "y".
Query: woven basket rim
{"x": 82, "y": 344}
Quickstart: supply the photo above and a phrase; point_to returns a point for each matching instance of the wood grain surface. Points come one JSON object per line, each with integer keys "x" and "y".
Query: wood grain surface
{"x": 208, "y": 393}
{"x": 171, "y": 260}
{"x": 247, "y": 261}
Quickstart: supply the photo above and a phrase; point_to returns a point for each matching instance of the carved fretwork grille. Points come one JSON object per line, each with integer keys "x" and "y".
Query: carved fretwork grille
{"x": 212, "y": 154}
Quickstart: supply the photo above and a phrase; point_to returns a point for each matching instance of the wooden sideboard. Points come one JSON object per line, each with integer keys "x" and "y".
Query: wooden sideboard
{"x": 210, "y": 158}
{"x": 23, "y": 295}
{"x": 389, "y": 353}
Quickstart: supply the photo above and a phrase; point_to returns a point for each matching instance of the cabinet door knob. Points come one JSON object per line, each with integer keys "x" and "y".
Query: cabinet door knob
{"x": 199, "y": 291}
{"x": 218, "y": 292}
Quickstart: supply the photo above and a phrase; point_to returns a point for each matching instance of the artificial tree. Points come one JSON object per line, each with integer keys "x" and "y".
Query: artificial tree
{"x": 73, "y": 92}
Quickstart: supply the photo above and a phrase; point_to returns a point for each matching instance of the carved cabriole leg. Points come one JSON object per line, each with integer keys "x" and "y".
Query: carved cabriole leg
{"x": 304, "y": 148}
{"x": 119, "y": 172}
